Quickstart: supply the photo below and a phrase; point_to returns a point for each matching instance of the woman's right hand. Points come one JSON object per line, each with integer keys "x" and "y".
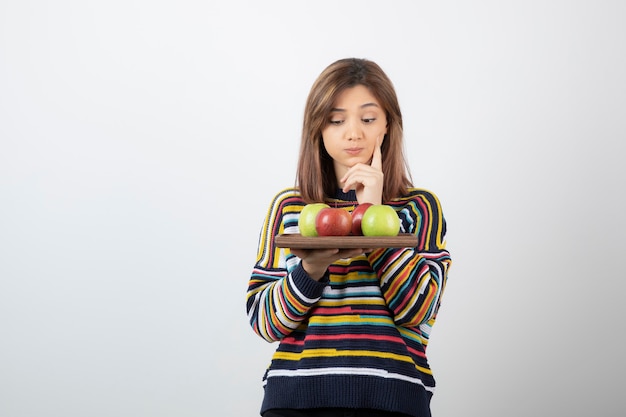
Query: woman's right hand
{"x": 366, "y": 179}
{"x": 315, "y": 262}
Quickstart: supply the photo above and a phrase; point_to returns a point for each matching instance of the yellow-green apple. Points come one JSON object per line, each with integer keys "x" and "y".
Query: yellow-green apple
{"x": 306, "y": 221}
{"x": 333, "y": 221}
{"x": 380, "y": 220}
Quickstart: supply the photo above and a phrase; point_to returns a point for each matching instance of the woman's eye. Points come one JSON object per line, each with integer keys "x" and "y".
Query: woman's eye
{"x": 336, "y": 122}
{"x": 369, "y": 120}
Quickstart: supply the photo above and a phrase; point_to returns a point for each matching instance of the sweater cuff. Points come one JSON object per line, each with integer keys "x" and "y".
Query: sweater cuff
{"x": 309, "y": 287}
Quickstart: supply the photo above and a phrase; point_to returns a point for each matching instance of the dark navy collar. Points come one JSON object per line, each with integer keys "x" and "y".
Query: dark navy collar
{"x": 349, "y": 196}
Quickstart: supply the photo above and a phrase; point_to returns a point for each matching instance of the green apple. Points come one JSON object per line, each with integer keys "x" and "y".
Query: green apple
{"x": 306, "y": 221}
{"x": 380, "y": 220}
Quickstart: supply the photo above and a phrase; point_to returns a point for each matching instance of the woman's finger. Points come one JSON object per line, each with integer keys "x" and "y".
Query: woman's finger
{"x": 377, "y": 157}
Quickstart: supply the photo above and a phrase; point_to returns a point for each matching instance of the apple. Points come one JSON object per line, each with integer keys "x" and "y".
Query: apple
{"x": 306, "y": 221}
{"x": 380, "y": 220}
{"x": 357, "y": 216}
{"x": 333, "y": 221}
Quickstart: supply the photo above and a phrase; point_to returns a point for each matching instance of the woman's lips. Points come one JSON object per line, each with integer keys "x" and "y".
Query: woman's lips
{"x": 354, "y": 151}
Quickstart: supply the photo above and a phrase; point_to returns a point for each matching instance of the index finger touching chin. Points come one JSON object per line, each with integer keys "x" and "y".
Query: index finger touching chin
{"x": 377, "y": 157}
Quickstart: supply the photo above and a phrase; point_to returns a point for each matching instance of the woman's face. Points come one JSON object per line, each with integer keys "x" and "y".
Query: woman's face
{"x": 354, "y": 124}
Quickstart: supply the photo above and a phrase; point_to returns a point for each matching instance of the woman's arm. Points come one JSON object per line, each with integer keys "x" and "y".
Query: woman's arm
{"x": 280, "y": 293}
{"x": 412, "y": 280}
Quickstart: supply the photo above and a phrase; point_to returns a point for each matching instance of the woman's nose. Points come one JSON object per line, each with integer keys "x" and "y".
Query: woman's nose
{"x": 353, "y": 131}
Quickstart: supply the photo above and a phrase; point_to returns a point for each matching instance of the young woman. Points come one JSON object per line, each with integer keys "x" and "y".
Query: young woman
{"x": 352, "y": 324}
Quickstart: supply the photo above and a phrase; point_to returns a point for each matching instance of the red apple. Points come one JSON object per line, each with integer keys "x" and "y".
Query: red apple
{"x": 357, "y": 216}
{"x": 333, "y": 221}
{"x": 306, "y": 221}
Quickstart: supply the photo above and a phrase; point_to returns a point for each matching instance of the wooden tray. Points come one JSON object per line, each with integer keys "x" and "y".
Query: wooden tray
{"x": 296, "y": 241}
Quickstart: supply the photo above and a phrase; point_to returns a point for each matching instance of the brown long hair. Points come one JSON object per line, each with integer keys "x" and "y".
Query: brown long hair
{"x": 315, "y": 174}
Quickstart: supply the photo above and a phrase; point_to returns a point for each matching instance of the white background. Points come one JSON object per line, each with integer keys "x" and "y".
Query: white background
{"x": 141, "y": 142}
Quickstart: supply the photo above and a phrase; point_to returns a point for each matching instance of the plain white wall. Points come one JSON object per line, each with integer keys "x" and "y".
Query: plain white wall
{"x": 141, "y": 142}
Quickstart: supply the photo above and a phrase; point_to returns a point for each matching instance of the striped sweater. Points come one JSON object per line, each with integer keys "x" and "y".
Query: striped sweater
{"x": 358, "y": 337}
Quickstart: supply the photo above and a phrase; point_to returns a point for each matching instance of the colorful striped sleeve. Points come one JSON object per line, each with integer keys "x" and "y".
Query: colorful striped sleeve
{"x": 413, "y": 279}
{"x": 279, "y": 293}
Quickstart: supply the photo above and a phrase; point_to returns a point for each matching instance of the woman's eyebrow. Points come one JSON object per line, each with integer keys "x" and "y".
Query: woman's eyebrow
{"x": 362, "y": 106}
